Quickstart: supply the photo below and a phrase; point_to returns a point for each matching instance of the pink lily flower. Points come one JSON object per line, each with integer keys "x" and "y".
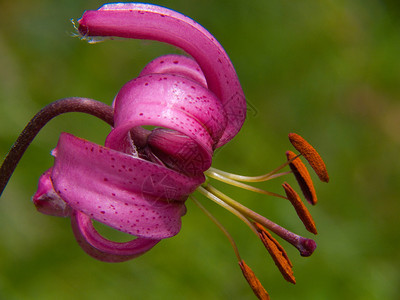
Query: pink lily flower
{"x": 139, "y": 180}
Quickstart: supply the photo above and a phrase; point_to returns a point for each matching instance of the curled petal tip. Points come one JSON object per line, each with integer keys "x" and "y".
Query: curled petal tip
{"x": 103, "y": 249}
{"x": 47, "y": 201}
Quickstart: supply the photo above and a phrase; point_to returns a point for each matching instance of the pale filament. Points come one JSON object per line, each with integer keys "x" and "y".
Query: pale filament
{"x": 261, "y": 178}
{"x": 217, "y": 175}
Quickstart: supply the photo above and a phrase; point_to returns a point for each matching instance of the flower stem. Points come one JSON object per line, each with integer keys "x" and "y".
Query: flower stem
{"x": 73, "y": 104}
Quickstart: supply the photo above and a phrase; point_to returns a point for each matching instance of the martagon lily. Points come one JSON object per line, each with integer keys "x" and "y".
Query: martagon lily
{"x": 139, "y": 180}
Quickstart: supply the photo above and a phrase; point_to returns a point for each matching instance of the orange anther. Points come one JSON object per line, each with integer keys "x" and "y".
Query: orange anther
{"x": 311, "y": 155}
{"x": 300, "y": 208}
{"x": 303, "y": 177}
{"x": 277, "y": 253}
{"x": 253, "y": 281}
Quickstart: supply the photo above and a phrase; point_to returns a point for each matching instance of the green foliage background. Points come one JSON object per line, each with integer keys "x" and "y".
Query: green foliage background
{"x": 328, "y": 70}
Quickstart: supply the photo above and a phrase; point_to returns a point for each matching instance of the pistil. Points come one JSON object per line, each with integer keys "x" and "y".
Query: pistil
{"x": 304, "y": 245}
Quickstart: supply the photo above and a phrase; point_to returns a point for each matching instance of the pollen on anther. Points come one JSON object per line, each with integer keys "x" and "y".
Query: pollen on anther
{"x": 303, "y": 177}
{"x": 300, "y": 208}
{"x": 277, "y": 253}
{"x": 253, "y": 281}
{"x": 311, "y": 155}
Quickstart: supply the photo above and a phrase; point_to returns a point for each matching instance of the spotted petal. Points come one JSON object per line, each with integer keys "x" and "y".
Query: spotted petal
{"x": 171, "y": 101}
{"x": 175, "y": 64}
{"x": 143, "y": 21}
{"x": 127, "y": 193}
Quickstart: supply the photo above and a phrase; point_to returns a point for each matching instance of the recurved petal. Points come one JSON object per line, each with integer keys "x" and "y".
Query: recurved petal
{"x": 169, "y": 101}
{"x": 129, "y": 194}
{"x": 144, "y": 21}
{"x": 175, "y": 64}
{"x": 103, "y": 249}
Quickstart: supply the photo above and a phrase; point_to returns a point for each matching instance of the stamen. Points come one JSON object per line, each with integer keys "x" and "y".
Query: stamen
{"x": 304, "y": 245}
{"x": 253, "y": 281}
{"x": 233, "y": 182}
{"x": 73, "y": 104}
{"x": 251, "y": 278}
{"x": 260, "y": 228}
{"x": 311, "y": 155}
{"x": 300, "y": 208}
{"x": 261, "y": 178}
{"x": 277, "y": 253}
{"x": 219, "y": 225}
{"x": 303, "y": 177}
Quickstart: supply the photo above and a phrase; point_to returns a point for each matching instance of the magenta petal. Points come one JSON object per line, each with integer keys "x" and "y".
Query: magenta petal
{"x": 127, "y": 193}
{"x": 103, "y": 249}
{"x": 178, "y": 65}
{"x": 143, "y": 21}
{"x": 177, "y": 151}
{"x": 47, "y": 201}
{"x": 169, "y": 101}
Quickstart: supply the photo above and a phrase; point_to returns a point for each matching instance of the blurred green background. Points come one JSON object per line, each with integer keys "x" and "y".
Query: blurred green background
{"x": 328, "y": 70}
